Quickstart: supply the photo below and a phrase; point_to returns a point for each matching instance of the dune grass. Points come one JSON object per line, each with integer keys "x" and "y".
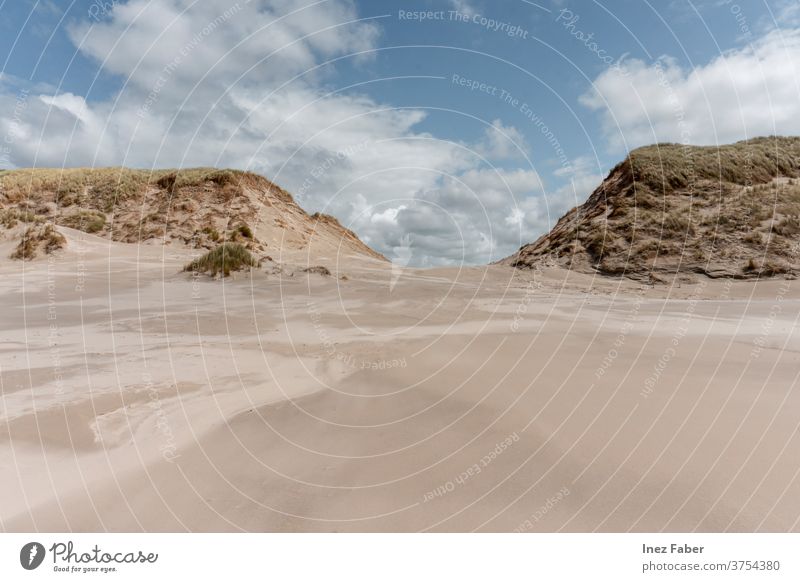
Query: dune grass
{"x": 10, "y": 217}
{"x": 668, "y": 167}
{"x": 85, "y": 220}
{"x": 101, "y": 188}
{"x": 38, "y": 237}
{"x": 698, "y": 209}
{"x": 317, "y": 270}
{"x": 224, "y": 259}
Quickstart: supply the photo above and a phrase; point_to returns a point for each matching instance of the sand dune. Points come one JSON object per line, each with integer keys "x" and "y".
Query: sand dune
{"x": 672, "y": 210}
{"x": 136, "y": 397}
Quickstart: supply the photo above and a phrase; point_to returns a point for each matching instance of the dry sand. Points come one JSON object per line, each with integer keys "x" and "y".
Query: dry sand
{"x": 136, "y": 397}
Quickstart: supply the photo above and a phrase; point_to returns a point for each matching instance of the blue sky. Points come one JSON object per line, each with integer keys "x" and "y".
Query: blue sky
{"x": 463, "y": 128}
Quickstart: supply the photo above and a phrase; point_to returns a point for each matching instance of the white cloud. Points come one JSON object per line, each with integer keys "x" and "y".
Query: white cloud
{"x": 786, "y": 13}
{"x": 743, "y": 93}
{"x": 388, "y": 217}
{"x": 515, "y": 218}
{"x": 71, "y": 104}
{"x": 464, "y": 6}
{"x": 466, "y": 217}
{"x": 218, "y": 42}
{"x": 503, "y": 142}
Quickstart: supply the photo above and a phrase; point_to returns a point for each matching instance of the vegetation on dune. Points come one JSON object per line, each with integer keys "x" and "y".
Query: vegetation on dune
{"x": 85, "y": 220}
{"x": 666, "y": 167}
{"x": 317, "y": 270}
{"x": 728, "y": 211}
{"x": 40, "y": 237}
{"x": 168, "y": 182}
{"x": 104, "y": 189}
{"x": 192, "y": 205}
{"x": 211, "y": 232}
{"x": 10, "y": 217}
{"x": 225, "y": 259}
{"x": 198, "y": 207}
{"x": 244, "y": 230}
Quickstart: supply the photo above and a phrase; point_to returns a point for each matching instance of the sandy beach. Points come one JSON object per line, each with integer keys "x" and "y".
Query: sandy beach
{"x": 136, "y": 397}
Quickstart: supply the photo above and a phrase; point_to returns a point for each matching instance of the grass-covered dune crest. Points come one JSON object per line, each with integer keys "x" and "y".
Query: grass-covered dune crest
{"x": 201, "y": 208}
{"x": 672, "y": 210}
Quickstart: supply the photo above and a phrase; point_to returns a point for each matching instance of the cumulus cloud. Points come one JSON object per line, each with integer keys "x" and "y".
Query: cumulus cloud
{"x": 464, "y": 6}
{"x": 584, "y": 174}
{"x": 503, "y": 142}
{"x": 218, "y": 42}
{"x": 743, "y": 93}
{"x": 477, "y": 216}
{"x": 70, "y": 103}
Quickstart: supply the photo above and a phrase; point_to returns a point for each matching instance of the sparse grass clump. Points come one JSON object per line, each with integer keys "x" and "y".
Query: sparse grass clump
{"x": 39, "y": 237}
{"x": 224, "y": 259}
{"x": 764, "y": 268}
{"x": 211, "y": 232}
{"x": 167, "y": 182}
{"x": 245, "y": 231}
{"x": 317, "y": 270}
{"x": 11, "y": 216}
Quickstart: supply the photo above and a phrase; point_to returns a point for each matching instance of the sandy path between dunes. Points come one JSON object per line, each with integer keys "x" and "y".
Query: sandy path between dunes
{"x": 138, "y": 398}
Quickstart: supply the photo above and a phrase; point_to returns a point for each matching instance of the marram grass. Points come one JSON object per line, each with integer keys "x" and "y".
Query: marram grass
{"x": 225, "y": 259}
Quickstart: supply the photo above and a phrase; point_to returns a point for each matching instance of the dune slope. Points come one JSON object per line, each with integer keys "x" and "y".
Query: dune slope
{"x": 200, "y": 208}
{"x": 666, "y": 210}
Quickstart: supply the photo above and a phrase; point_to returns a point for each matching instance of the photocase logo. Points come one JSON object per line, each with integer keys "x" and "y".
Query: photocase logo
{"x": 31, "y": 555}
{"x": 402, "y": 256}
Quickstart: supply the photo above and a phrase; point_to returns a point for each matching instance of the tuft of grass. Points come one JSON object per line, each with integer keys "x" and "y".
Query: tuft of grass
{"x": 677, "y": 224}
{"x": 167, "y": 182}
{"x": 317, "y": 270}
{"x": 40, "y": 237}
{"x": 10, "y": 216}
{"x": 764, "y": 268}
{"x": 245, "y": 231}
{"x": 211, "y": 232}
{"x": 224, "y": 177}
{"x": 225, "y": 259}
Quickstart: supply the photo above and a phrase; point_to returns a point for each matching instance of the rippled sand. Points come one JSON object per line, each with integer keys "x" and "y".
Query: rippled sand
{"x": 135, "y": 397}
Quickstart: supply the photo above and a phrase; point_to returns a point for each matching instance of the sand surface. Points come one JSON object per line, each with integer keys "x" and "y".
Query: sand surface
{"x": 136, "y": 397}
